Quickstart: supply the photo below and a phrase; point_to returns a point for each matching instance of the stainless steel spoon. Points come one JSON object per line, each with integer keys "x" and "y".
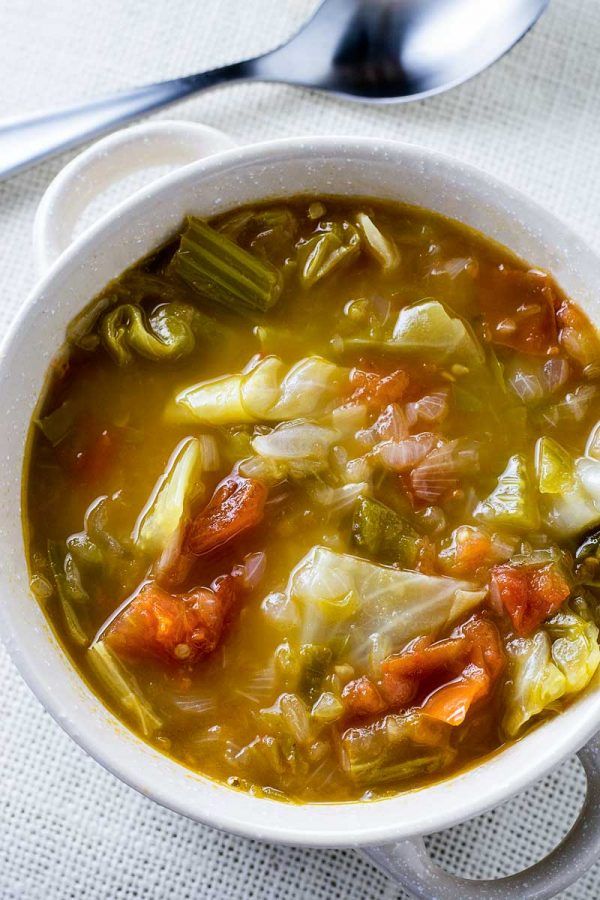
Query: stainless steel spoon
{"x": 372, "y": 50}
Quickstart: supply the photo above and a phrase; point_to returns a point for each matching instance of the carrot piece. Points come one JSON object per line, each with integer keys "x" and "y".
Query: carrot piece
{"x": 519, "y": 309}
{"x": 236, "y": 505}
{"x": 173, "y": 627}
{"x": 471, "y": 549}
{"x": 529, "y": 594}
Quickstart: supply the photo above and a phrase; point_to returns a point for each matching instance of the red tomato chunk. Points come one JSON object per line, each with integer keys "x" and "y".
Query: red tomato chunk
{"x": 529, "y": 594}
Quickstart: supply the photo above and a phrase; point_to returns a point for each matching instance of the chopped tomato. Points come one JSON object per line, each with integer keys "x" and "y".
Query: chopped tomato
{"x": 377, "y": 390}
{"x": 236, "y": 505}
{"x": 174, "y": 627}
{"x": 362, "y": 698}
{"x": 470, "y": 549}
{"x": 452, "y": 674}
{"x": 519, "y": 309}
{"x": 576, "y": 334}
{"x": 529, "y": 594}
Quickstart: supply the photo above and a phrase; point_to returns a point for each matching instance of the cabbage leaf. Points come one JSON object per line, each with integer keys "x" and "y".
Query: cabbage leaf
{"x": 513, "y": 502}
{"x": 267, "y": 392}
{"x": 167, "y": 506}
{"x": 569, "y": 488}
{"x": 428, "y": 329}
{"x": 559, "y": 659}
{"x": 337, "y": 594}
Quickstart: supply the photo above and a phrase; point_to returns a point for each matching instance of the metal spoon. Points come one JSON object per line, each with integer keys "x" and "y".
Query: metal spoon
{"x": 376, "y": 50}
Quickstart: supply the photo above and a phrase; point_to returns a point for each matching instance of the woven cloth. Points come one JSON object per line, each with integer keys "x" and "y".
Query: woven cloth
{"x": 68, "y": 829}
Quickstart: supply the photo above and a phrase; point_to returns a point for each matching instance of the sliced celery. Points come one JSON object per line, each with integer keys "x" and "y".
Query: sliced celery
{"x": 217, "y": 268}
{"x": 383, "y": 534}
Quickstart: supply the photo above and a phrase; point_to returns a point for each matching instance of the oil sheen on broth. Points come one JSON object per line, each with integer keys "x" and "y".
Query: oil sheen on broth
{"x": 368, "y": 556}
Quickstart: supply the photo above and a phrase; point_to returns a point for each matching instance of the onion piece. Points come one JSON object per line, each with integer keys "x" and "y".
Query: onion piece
{"x": 430, "y": 408}
{"x": 402, "y": 456}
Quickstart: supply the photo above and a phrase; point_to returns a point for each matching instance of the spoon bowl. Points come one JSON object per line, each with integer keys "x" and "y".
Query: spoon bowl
{"x": 380, "y": 51}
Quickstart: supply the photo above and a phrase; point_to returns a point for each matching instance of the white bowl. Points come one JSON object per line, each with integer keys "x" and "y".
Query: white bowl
{"x": 275, "y": 169}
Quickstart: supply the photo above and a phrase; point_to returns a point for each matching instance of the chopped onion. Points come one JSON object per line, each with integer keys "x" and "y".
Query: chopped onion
{"x": 209, "y": 453}
{"x": 528, "y": 387}
{"x": 392, "y": 425}
{"x": 555, "y": 374}
{"x": 402, "y": 456}
{"x": 327, "y": 708}
{"x": 349, "y": 418}
{"x": 358, "y": 470}
{"x": 253, "y": 569}
{"x": 439, "y": 471}
{"x": 430, "y": 408}
{"x": 340, "y": 499}
{"x": 280, "y": 610}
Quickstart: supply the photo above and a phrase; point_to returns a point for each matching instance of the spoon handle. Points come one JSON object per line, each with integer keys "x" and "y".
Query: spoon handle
{"x": 28, "y": 141}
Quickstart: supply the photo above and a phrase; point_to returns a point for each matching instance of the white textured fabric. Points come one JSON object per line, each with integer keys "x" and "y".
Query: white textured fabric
{"x": 67, "y": 828}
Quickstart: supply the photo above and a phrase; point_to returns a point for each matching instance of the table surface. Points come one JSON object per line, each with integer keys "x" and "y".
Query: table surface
{"x": 68, "y": 829}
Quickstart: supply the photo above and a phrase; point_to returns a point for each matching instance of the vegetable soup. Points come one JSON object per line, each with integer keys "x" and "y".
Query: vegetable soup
{"x": 313, "y": 498}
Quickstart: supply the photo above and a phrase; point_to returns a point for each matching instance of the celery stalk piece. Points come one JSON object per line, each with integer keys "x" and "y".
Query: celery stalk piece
{"x": 321, "y": 254}
{"x": 384, "y": 535}
{"x": 217, "y": 268}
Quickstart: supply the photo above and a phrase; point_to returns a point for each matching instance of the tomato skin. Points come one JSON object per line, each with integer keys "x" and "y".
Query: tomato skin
{"x": 237, "y": 504}
{"x": 174, "y": 628}
{"x": 529, "y": 594}
{"x": 377, "y": 390}
{"x": 362, "y": 698}
{"x": 451, "y": 674}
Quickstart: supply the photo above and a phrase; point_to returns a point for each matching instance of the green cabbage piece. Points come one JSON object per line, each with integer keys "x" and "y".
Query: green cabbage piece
{"x": 570, "y": 488}
{"x": 513, "y": 502}
{"x": 337, "y": 595}
{"x": 429, "y": 330}
{"x": 269, "y": 392}
{"x": 169, "y": 333}
{"x": 167, "y": 506}
{"x": 382, "y": 248}
{"x": 320, "y": 255}
{"x": 394, "y": 748}
{"x": 559, "y": 659}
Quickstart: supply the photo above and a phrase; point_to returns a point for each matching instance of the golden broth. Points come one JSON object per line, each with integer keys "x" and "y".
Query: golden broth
{"x": 120, "y": 439}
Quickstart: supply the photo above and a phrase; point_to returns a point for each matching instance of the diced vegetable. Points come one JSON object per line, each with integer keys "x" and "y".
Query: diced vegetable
{"x": 266, "y": 392}
{"x": 570, "y": 488}
{"x": 169, "y": 333}
{"x": 339, "y": 594}
{"x": 334, "y": 243}
{"x": 529, "y": 593}
{"x": 314, "y": 664}
{"x": 56, "y": 425}
{"x": 469, "y": 549}
{"x": 123, "y": 686}
{"x": 289, "y": 714}
{"x": 362, "y": 698}
{"x": 556, "y": 661}
{"x": 219, "y": 270}
{"x": 237, "y": 504}
{"x": 382, "y": 249}
{"x": 66, "y": 594}
{"x": 375, "y": 390}
{"x": 513, "y": 502}
{"x": 384, "y": 535}
{"x": 576, "y": 337}
{"x": 296, "y": 448}
{"x": 174, "y": 628}
{"x": 168, "y": 505}
{"x": 525, "y": 319}
{"x": 327, "y": 708}
{"x": 395, "y": 748}
{"x": 429, "y": 330}
{"x": 458, "y": 671}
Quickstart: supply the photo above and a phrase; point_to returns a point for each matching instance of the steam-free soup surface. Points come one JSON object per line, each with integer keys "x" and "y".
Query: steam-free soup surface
{"x": 312, "y": 498}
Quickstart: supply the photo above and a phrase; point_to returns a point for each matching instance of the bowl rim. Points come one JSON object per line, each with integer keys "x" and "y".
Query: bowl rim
{"x": 464, "y": 795}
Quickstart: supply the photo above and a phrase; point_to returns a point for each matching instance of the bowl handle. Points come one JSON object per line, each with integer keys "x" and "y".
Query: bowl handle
{"x": 409, "y": 865}
{"x": 151, "y": 144}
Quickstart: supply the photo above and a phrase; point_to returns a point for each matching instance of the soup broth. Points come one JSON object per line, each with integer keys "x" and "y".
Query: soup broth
{"x": 312, "y": 496}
